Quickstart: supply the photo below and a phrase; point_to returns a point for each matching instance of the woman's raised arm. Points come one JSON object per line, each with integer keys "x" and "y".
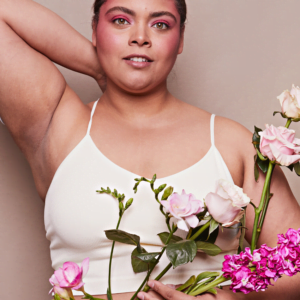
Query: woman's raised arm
{"x": 30, "y": 85}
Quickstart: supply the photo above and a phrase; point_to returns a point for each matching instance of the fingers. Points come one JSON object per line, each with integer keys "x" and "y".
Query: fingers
{"x": 166, "y": 292}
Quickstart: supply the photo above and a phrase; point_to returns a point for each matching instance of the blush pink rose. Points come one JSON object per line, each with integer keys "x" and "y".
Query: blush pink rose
{"x": 226, "y": 204}
{"x": 290, "y": 102}
{"x": 70, "y": 275}
{"x": 184, "y": 208}
{"x": 279, "y": 144}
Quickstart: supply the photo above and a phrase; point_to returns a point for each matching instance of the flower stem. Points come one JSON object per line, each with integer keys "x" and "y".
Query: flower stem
{"x": 152, "y": 268}
{"x": 111, "y": 255}
{"x": 262, "y": 205}
{"x": 169, "y": 266}
{"x": 209, "y": 286}
{"x": 288, "y": 123}
{"x": 202, "y": 229}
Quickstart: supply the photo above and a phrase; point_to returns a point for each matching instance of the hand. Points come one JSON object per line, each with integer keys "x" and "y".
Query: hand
{"x": 171, "y": 294}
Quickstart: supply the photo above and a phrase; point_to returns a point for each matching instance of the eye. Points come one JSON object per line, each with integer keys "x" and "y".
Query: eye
{"x": 161, "y": 25}
{"x": 121, "y": 21}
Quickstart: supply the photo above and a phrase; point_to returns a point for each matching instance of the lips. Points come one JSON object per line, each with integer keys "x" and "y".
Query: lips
{"x": 138, "y": 58}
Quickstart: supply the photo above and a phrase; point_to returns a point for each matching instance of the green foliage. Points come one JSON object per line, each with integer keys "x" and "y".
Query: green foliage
{"x": 56, "y": 297}
{"x": 213, "y": 226}
{"x": 212, "y": 291}
{"x": 128, "y": 203}
{"x": 181, "y": 252}
{"x": 205, "y": 236}
{"x": 208, "y": 248}
{"x": 138, "y": 265}
{"x": 297, "y": 168}
{"x": 205, "y": 275}
{"x": 88, "y": 296}
{"x": 147, "y": 257}
{"x": 164, "y": 237}
{"x": 123, "y": 237}
{"x": 187, "y": 284}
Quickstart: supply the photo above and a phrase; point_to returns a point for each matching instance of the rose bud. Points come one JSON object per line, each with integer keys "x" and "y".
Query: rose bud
{"x": 65, "y": 294}
{"x": 226, "y": 204}
{"x": 279, "y": 144}
{"x": 184, "y": 208}
{"x": 290, "y": 102}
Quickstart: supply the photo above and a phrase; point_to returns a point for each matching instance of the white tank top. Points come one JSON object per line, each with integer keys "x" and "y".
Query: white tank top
{"x": 76, "y": 216}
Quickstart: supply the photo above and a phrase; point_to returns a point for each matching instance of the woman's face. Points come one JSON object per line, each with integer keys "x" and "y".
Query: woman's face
{"x": 138, "y": 42}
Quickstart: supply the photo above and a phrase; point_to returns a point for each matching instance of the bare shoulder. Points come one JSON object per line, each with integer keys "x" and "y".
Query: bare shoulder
{"x": 234, "y": 142}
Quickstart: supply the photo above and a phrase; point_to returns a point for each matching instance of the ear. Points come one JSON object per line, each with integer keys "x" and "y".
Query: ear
{"x": 181, "y": 42}
{"x": 94, "y": 40}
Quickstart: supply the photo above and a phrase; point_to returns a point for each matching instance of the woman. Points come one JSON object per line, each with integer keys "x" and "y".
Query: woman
{"x": 138, "y": 127}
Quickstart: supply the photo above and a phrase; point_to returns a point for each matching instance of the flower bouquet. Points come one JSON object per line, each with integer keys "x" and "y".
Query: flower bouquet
{"x": 250, "y": 270}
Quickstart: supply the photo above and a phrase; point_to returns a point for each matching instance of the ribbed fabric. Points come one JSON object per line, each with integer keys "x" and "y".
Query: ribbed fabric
{"x": 76, "y": 216}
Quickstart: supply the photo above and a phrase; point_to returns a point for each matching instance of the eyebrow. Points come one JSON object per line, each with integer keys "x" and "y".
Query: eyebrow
{"x": 132, "y": 13}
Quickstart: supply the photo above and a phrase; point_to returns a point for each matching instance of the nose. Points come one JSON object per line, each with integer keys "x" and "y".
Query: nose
{"x": 140, "y": 36}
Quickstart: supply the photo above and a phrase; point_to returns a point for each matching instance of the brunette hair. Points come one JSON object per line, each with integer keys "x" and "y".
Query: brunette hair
{"x": 180, "y": 4}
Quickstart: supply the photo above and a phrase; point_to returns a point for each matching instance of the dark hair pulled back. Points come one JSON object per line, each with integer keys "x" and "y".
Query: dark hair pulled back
{"x": 180, "y": 4}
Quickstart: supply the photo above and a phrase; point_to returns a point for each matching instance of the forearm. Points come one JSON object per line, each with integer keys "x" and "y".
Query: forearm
{"x": 50, "y": 35}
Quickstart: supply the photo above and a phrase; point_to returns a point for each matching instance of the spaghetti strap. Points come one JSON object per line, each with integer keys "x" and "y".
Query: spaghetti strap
{"x": 212, "y": 129}
{"x": 91, "y": 119}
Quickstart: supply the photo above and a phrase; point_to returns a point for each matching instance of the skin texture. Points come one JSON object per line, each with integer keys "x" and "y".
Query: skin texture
{"x": 136, "y": 112}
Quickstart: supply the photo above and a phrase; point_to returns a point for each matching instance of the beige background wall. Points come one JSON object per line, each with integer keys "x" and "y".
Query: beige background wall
{"x": 239, "y": 55}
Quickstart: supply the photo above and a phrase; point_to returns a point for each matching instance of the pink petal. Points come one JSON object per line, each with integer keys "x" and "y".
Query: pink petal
{"x": 166, "y": 205}
{"x": 193, "y": 221}
{"x": 182, "y": 225}
{"x": 61, "y": 278}
{"x": 283, "y": 159}
{"x": 78, "y": 286}
{"x": 85, "y": 266}
{"x": 53, "y": 280}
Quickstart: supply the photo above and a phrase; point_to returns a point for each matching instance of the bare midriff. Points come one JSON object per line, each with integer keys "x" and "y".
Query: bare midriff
{"x": 123, "y": 296}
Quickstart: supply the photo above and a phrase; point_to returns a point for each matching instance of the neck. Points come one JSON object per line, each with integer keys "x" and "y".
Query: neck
{"x": 138, "y": 107}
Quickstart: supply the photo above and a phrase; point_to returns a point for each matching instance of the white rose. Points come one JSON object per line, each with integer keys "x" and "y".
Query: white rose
{"x": 226, "y": 204}
{"x": 290, "y": 102}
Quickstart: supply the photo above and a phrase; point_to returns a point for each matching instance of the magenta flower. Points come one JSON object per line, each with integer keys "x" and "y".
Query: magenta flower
{"x": 70, "y": 275}
{"x": 184, "y": 208}
{"x": 254, "y": 272}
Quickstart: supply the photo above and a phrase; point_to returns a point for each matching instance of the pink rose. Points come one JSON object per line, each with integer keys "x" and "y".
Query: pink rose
{"x": 279, "y": 144}
{"x": 290, "y": 102}
{"x": 226, "y": 204}
{"x": 70, "y": 275}
{"x": 184, "y": 208}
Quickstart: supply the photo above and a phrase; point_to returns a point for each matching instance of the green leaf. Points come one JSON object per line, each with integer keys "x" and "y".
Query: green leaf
{"x": 123, "y": 237}
{"x": 291, "y": 167}
{"x": 256, "y": 137}
{"x": 188, "y": 283}
{"x": 182, "y": 252}
{"x": 205, "y": 275}
{"x": 213, "y": 226}
{"x": 208, "y": 248}
{"x": 263, "y": 165}
{"x": 256, "y": 171}
{"x": 167, "y": 192}
{"x": 276, "y": 112}
{"x": 56, "y": 297}
{"x": 88, "y": 296}
{"x": 212, "y": 291}
{"x": 204, "y": 236}
{"x": 138, "y": 265}
{"x": 297, "y": 168}
{"x": 164, "y": 237}
{"x": 147, "y": 257}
